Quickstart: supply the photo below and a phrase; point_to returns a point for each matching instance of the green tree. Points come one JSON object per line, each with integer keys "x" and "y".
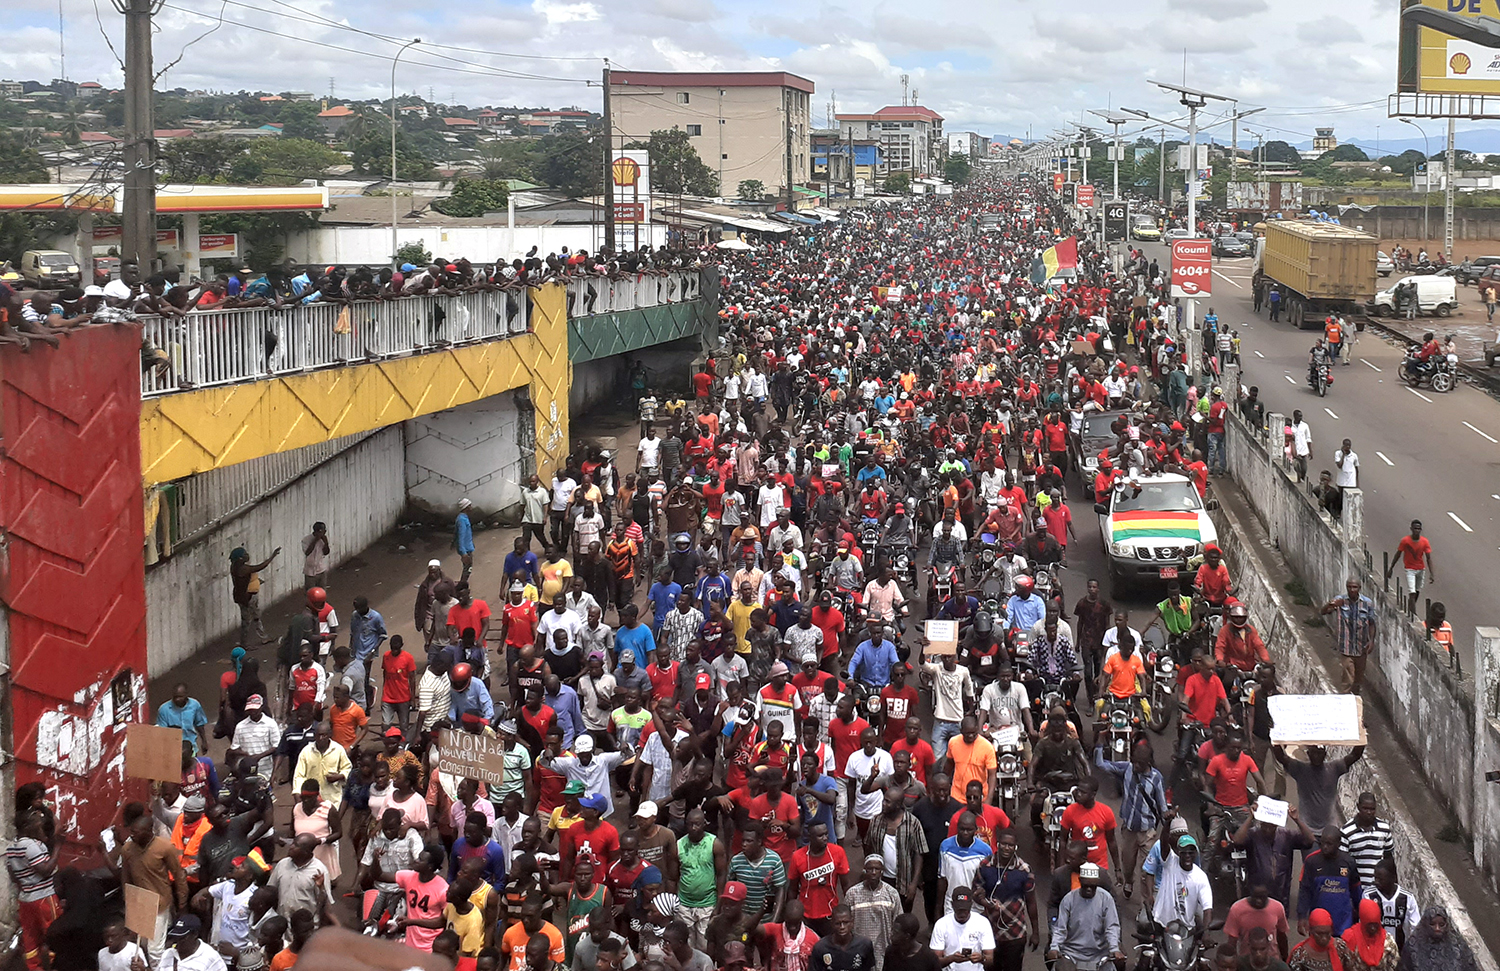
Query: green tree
{"x": 372, "y": 156}
{"x": 413, "y": 253}
{"x": 474, "y": 197}
{"x": 299, "y": 119}
{"x": 956, "y": 169}
{"x": 752, "y": 190}
{"x": 199, "y": 159}
{"x": 1404, "y": 164}
{"x": 898, "y": 183}
{"x": 571, "y": 163}
{"x": 1345, "y": 153}
{"x": 1280, "y": 151}
{"x": 19, "y": 164}
{"x": 263, "y": 235}
{"x": 290, "y": 160}
{"x": 675, "y": 165}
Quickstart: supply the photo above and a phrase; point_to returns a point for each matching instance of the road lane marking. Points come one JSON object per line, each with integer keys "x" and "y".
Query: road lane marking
{"x": 1237, "y": 286}
{"x": 1363, "y": 361}
{"x": 1260, "y": 355}
{"x": 1420, "y": 395}
{"x": 1289, "y": 379}
{"x": 1477, "y": 431}
{"x": 1331, "y": 414}
{"x": 1392, "y": 464}
{"x": 1465, "y": 526}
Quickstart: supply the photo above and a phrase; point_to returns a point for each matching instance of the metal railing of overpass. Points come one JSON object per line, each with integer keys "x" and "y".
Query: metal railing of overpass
{"x": 589, "y": 295}
{"x": 222, "y": 347}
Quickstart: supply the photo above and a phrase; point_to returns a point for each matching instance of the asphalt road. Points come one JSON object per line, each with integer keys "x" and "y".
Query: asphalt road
{"x": 1423, "y": 455}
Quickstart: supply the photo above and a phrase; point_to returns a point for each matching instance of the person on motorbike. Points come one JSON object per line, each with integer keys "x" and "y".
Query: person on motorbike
{"x": 1224, "y": 783}
{"x": 844, "y": 573}
{"x": 1212, "y": 579}
{"x": 1239, "y": 645}
{"x": 945, "y": 553}
{"x": 1088, "y": 924}
{"x": 871, "y": 501}
{"x": 1057, "y": 762}
{"x": 1124, "y": 675}
{"x": 899, "y": 532}
{"x": 1041, "y": 547}
{"x": 1183, "y": 892}
{"x": 1202, "y": 698}
{"x": 1318, "y": 357}
{"x": 981, "y": 650}
{"x": 883, "y": 598}
{"x": 1174, "y": 614}
{"x": 1054, "y": 662}
{"x": 1430, "y": 348}
{"x": 1024, "y": 608}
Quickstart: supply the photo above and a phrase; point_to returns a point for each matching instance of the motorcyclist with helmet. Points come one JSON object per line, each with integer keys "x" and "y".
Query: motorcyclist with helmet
{"x": 316, "y": 626}
{"x": 981, "y": 650}
{"x": 469, "y": 705}
{"x": 1239, "y": 644}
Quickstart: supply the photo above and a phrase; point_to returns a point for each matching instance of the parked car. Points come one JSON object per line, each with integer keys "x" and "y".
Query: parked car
{"x": 1179, "y": 233}
{"x": 106, "y": 268}
{"x": 1384, "y": 265}
{"x": 1471, "y": 269}
{"x": 49, "y": 269}
{"x": 1230, "y": 246}
{"x": 1436, "y": 294}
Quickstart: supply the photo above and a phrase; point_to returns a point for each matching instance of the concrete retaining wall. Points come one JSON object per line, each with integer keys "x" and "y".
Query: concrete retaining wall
{"x": 188, "y": 602}
{"x": 1253, "y": 563}
{"x": 1432, "y": 708}
{"x": 474, "y": 451}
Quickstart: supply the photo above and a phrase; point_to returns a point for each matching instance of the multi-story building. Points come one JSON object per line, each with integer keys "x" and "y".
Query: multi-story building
{"x": 745, "y": 125}
{"x": 972, "y": 144}
{"x": 830, "y": 147}
{"x": 910, "y": 136}
{"x": 1323, "y": 140}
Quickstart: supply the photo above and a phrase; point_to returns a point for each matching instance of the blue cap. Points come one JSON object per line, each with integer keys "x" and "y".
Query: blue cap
{"x": 407, "y": 267}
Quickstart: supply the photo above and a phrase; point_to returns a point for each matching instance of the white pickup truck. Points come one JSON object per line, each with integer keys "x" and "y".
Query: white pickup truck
{"x": 1153, "y": 529}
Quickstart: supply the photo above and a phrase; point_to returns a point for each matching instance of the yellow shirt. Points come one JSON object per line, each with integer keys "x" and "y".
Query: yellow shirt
{"x": 554, "y": 575}
{"x": 739, "y": 615}
{"x": 469, "y": 928}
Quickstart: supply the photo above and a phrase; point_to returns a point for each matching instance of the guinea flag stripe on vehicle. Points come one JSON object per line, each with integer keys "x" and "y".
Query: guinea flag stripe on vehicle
{"x": 1154, "y": 525}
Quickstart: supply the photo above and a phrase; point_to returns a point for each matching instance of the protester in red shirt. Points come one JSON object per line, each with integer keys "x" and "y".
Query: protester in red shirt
{"x": 1090, "y": 821}
{"x": 1212, "y": 579}
{"x": 1229, "y": 771}
{"x": 818, "y": 872}
{"x": 1203, "y": 692}
{"x": 922, "y": 755}
{"x": 898, "y": 702}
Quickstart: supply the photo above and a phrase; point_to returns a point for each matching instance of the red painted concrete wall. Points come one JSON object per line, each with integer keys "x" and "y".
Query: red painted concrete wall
{"x": 72, "y": 578}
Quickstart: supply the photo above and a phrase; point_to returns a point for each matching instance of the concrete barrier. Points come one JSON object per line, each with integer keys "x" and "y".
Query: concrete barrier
{"x": 1259, "y": 575}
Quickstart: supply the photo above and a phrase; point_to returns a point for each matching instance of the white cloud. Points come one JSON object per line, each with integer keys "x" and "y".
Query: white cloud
{"x": 565, "y": 13}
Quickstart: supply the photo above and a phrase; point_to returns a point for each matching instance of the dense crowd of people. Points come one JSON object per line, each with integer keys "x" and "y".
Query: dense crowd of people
{"x": 721, "y": 739}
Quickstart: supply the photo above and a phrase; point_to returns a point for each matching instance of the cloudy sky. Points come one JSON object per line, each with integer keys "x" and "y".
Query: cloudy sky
{"x": 993, "y": 66}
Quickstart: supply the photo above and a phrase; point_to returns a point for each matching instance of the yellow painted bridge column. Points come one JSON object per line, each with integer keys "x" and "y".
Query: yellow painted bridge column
{"x": 189, "y": 432}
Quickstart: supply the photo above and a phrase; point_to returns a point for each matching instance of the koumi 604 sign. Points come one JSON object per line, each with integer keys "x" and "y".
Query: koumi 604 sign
{"x": 1192, "y": 268}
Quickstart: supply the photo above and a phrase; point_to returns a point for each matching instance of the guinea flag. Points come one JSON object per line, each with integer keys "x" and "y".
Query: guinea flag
{"x": 1154, "y": 525}
{"x": 1063, "y": 256}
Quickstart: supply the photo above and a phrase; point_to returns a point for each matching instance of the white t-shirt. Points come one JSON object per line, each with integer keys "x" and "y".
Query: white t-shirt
{"x": 1302, "y": 438}
{"x": 231, "y": 913}
{"x": 951, "y": 937}
{"x": 1112, "y": 641}
{"x": 1181, "y": 894}
{"x": 732, "y": 388}
{"x": 769, "y": 500}
{"x": 948, "y": 691}
{"x": 993, "y": 702}
{"x": 121, "y": 962}
{"x": 562, "y": 493}
{"x": 857, "y": 769}
{"x": 1346, "y": 475}
{"x": 650, "y": 452}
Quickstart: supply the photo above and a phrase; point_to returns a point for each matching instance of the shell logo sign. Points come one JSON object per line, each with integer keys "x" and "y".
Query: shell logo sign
{"x": 1460, "y": 63}
{"x": 625, "y": 171}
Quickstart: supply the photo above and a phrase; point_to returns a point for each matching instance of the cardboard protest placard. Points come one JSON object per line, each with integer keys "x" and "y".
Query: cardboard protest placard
{"x": 1083, "y": 347}
{"x": 141, "y": 906}
{"x": 153, "y": 753}
{"x": 942, "y": 637}
{"x": 1273, "y": 811}
{"x": 1317, "y": 719}
{"x": 470, "y": 756}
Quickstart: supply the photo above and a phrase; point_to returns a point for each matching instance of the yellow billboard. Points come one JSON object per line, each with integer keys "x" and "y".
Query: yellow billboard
{"x": 1447, "y": 47}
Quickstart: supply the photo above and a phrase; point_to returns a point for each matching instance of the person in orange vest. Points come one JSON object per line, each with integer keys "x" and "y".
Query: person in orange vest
{"x": 187, "y": 837}
{"x": 1333, "y": 333}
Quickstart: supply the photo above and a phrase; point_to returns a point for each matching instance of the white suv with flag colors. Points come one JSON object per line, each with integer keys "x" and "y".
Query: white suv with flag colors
{"x": 1152, "y": 528}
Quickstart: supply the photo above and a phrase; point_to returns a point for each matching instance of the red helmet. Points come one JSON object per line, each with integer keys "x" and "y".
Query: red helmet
{"x": 1024, "y": 585}
{"x": 317, "y": 597}
{"x": 461, "y": 672}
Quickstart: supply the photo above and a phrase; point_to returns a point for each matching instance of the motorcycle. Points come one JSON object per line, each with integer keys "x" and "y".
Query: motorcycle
{"x": 940, "y": 585}
{"x": 869, "y": 534}
{"x": 905, "y": 565}
{"x": 1440, "y": 370}
{"x": 1010, "y": 771}
{"x": 1176, "y": 947}
{"x": 985, "y": 561}
{"x": 1224, "y": 859}
{"x": 1319, "y": 377}
{"x": 1121, "y": 722}
{"x": 1055, "y": 801}
{"x": 1163, "y": 677}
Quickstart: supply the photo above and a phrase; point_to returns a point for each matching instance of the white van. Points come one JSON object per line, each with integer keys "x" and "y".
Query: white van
{"x": 1437, "y": 295}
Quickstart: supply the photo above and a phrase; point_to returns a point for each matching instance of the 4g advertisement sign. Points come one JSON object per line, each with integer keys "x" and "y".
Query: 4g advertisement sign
{"x": 1192, "y": 268}
{"x": 1116, "y": 220}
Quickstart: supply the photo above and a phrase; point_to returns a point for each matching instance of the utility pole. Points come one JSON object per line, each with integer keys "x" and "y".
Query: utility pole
{"x": 851, "y": 161}
{"x": 1448, "y": 196}
{"x": 1161, "y": 175}
{"x": 138, "y": 233}
{"x": 609, "y": 165}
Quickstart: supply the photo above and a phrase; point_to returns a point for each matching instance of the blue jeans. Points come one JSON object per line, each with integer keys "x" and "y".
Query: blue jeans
{"x": 1216, "y": 450}
{"x": 941, "y": 732}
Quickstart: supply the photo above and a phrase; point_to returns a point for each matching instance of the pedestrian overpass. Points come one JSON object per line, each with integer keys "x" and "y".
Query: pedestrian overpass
{"x": 122, "y": 491}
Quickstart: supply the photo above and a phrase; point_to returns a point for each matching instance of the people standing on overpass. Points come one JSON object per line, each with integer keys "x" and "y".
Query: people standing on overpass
{"x": 1302, "y": 444}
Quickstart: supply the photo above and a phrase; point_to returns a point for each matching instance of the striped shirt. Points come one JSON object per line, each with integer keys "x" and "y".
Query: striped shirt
{"x": 1367, "y": 846}
{"x": 21, "y": 859}
{"x": 761, "y": 879}
{"x": 1145, "y": 799}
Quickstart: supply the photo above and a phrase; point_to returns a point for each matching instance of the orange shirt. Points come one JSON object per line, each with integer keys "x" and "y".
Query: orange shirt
{"x": 514, "y": 943}
{"x": 344, "y": 723}
{"x": 284, "y": 959}
{"x": 1123, "y": 673}
{"x": 971, "y": 762}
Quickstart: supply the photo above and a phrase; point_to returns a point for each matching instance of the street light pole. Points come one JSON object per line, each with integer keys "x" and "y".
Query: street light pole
{"x": 1426, "y": 174}
{"x": 395, "y": 245}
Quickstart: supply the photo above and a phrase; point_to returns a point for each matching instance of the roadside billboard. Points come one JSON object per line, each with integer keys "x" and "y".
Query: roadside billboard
{"x": 1057, "y": 181}
{"x": 1264, "y": 196}
{"x": 1086, "y": 196}
{"x": 1116, "y": 220}
{"x": 1431, "y": 61}
{"x": 1192, "y": 268}
{"x": 1069, "y": 192}
{"x": 630, "y": 170}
